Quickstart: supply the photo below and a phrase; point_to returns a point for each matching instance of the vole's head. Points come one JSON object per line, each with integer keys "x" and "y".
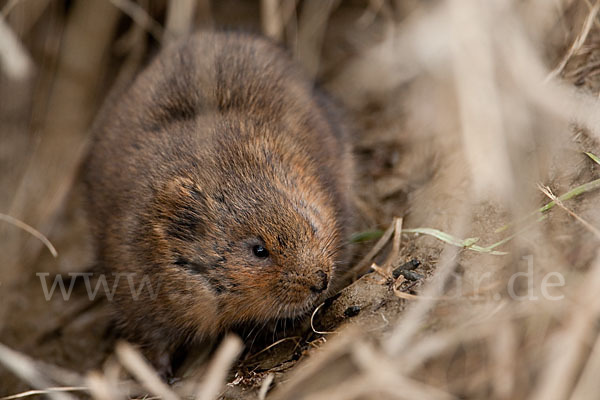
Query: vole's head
{"x": 258, "y": 244}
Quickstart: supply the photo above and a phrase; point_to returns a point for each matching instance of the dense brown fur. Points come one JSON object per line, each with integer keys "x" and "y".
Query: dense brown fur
{"x": 220, "y": 145}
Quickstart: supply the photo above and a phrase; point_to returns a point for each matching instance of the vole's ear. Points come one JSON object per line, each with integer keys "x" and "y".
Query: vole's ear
{"x": 179, "y": 206}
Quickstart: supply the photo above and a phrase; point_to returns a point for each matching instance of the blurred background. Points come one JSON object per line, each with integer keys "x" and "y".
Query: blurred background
{"x": 477, "y": 127}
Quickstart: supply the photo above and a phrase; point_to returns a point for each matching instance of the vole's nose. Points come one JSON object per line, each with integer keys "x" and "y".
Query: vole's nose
{"x": 321, "y": 282}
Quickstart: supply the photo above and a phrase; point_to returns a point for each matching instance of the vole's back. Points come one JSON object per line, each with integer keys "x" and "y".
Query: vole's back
{"x": 219, "y": 148}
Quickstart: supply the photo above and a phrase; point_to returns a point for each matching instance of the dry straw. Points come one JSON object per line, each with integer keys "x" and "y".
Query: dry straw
{"x": 460, "y": 107}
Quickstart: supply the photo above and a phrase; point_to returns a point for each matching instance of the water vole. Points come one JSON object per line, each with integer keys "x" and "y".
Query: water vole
{"x": 220, "y": 180}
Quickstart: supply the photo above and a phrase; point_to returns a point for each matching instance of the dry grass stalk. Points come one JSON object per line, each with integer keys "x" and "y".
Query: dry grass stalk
{"x": 296, "y": 339}
{"x": 51, "y": 171}
{"x": 411, "y": 322}
{"x": 433, "y": 345}
{"x": 23, "y": 15}
{"x": 494, "y": 343}
{"x": 361, "y": 266}
{"x": 271, "y": 19}
{"x": 101, "y": 389}
{"x": 218, "y": 368}
{"x": 311, "y": 32}
{"x": 31, "y": 393}
{"x": 556, "y": 98}
{"x": 382, "y": 272}
{"x": 135, "y": 363}
{"x": 265, "y": 386}
{"x": 8, "y": 7}
{"x": 548, "y": 192}
{"x": 504, "y": 352}
{"x": 180, "y": 16}
{"x": 141, "y": 17}
{"x": 31, "y": 230}
{"x": 393, "y": 256}
{"x": 26, "y": 369}
{"x": 407, "y": 296}
{"x": 330, "y": 352}
{"x": 588, "y": 386}
{"x": 374, "y": 384}
{"x": 577, "y": 43}
{"x": 484, "y": 141}
{"x": 15, "y": 60}
{"x": 379, "y": 376}
{"x": 569, "y": 348}
{"x": 312, "y": 321}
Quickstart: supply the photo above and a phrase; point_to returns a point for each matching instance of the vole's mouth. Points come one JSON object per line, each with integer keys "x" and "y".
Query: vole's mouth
{"x": 295, "y": 310}
{"x": 293, "y": 313}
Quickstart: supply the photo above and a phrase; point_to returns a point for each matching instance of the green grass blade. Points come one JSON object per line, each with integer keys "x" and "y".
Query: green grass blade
{"x": 586, "y": 187}
{"x": 593, "y": 157}
{"x": 365, "y": 236}
{"x": 468, "y": 243}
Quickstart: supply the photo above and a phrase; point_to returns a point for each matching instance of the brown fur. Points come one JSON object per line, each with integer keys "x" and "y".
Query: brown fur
{"x": 219, "y": 145}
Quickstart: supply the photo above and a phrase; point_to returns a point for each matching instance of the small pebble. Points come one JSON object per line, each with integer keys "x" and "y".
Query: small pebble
{"x": 406, "y": 267}
{"x": 352, "y": 311}
{"x": 411, "y": 275}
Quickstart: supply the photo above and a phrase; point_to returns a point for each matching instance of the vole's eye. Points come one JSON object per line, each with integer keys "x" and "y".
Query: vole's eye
{"x": 260, "y": 251}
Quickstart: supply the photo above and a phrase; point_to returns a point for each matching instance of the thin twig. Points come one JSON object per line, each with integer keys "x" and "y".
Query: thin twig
{"x": 394, "y": 254}
{"x": 546, "y": 190}
{"x": 364, "y": 262}
{"x": 381, "y": 271}
{"x": 312, "y": 326}
{"x": 577, "y": 43}
{"x": 408, "y": 296}
{"x": 31, "y": 230}
{"x": 46, "y": 391}
{"x": 296, "y": 338}
{"x": 141, "y": 17}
